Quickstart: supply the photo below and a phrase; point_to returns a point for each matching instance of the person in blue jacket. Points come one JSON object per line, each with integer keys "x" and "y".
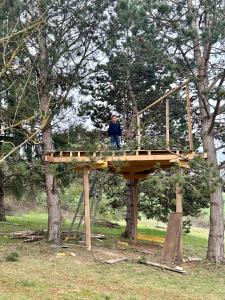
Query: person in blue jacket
{"x": 114, "y": 132}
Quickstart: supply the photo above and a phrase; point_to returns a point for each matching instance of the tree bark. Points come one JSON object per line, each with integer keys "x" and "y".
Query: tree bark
{"x": 54, "y": 215}
{"x": 2, "y": 208}
{"x": 216, "y": 233}
{"x": 132, "y": 211}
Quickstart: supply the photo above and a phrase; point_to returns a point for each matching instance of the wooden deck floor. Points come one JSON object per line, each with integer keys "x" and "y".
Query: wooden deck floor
{"x": 130, "y": 164}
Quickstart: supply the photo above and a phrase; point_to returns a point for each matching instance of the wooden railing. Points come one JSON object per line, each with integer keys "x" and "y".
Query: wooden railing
{"x": 165, "y": 97}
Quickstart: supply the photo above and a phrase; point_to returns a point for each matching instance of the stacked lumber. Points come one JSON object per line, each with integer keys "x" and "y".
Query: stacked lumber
{"x": 28, "y": 236}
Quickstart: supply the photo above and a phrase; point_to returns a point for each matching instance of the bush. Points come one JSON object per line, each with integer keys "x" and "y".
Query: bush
{"x": 13, "y": 256}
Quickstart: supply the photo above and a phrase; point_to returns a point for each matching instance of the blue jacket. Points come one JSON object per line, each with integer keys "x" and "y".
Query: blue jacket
{"x": 114, "y": 129}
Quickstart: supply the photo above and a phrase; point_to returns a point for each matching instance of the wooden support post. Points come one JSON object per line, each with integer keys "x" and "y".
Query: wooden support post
{"x": 135, "y": 203}
{"x": 167, "y": 123}
{"x": 87, "y": 218}
{"x": 179, "y": 209}
{"x": 138, "y": 132}
{"x": 189, "y": 121}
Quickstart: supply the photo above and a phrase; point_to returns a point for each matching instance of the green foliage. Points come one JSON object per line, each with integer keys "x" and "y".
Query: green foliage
{"x": 163, "y": 8}
{"x": 158, "y": 194}
{"x": 13, "y": 257}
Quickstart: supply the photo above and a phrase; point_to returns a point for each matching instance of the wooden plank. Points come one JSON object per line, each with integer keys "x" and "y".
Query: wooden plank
{"x": 189, "y": 121}
{"x": 179, "y": 209}
{"x": 172, "y": 237}
{"x": 138, "y": 133}
{"x": 167, "y": 123}
{"x": 164, "y": 267}
{"x": 142, "y": 157}
{"x": 115, "y": 260}
{"x": 87, "y": 217}
{"x": 135, "y": 196}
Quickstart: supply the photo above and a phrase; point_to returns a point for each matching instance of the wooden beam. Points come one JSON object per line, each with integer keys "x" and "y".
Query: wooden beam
{"x": 87, "y": 218}
{"x": 179, "y": 209}
{"x": 138, "y": 133}
{"x": 152, "y": 157}
{"x": 189, "y": 121}
{"x": 167, "y": 123}
{"x": 136, "y": 200}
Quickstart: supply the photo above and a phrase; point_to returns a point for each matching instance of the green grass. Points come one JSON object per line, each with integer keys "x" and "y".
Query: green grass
{"x": 41, "y": 274}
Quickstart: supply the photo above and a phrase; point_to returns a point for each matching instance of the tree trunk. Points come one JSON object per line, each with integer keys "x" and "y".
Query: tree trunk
{"x": 2, "y": 209}
{"x": 215, "y": 251}
{"x": 216, "y": 233}
{"x": 54, "y": 215}
{"x": 132, "y": 211}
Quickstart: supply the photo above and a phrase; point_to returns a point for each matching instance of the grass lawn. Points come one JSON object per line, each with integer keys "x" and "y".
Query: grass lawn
{"x": 40, "y": 273}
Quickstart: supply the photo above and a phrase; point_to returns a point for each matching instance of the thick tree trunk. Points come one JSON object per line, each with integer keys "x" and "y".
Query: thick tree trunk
{"x": 216, "y": 231}
{"x": 132, "y": 211}
{"x": 54, "y": 216}
{"x": 2, "y": 208}
{"x": 215, "y": 251}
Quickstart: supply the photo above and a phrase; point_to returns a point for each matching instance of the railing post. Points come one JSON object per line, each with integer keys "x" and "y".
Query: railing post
{"x": 189, "y": 121}
{"x": 138, "y": 132}
{"x": 167, "y": 123}
{"x": 179, "y": 209}
{"x": 87, "y": 217}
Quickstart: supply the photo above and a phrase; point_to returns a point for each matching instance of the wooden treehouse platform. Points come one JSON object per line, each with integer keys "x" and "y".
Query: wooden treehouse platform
{"x": 135, "y": 165}
{"x": 130, "y": 164}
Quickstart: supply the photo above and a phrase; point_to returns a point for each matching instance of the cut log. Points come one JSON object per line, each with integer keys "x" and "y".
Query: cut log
{"x": 172, "y": 238}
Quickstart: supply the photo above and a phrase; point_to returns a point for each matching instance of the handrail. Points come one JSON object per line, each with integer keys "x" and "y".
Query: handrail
{"x": 188, "y": 108}
{"x": 164, "y": 96}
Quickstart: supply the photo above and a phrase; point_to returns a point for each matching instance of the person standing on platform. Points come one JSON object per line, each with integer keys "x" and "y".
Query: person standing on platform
{"x": 115, "y": 132}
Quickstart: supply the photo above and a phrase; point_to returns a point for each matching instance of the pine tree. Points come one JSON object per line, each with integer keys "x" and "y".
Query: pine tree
{"x": 195, "y": 32}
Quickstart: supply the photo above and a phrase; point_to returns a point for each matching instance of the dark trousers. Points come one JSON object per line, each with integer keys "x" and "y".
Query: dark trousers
{"x": 115, "y": 140}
